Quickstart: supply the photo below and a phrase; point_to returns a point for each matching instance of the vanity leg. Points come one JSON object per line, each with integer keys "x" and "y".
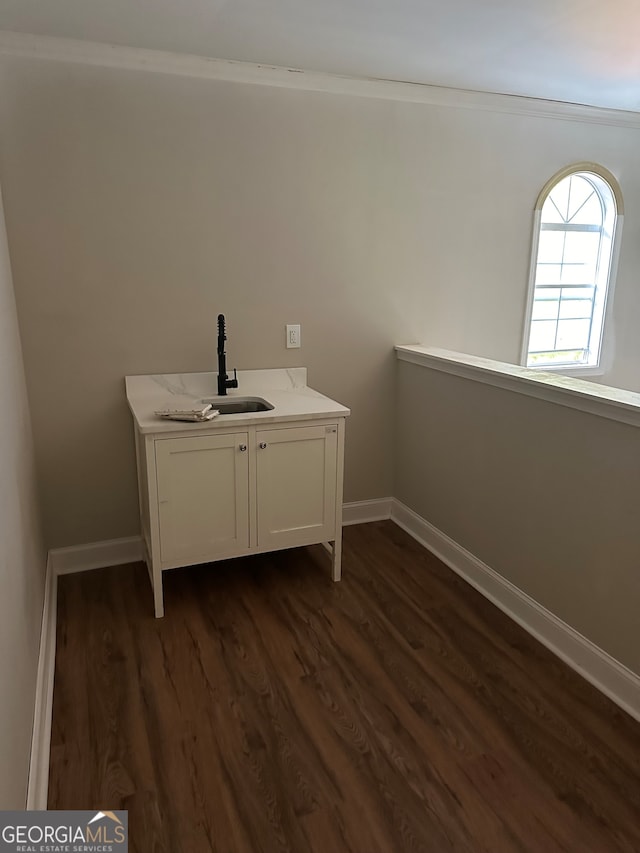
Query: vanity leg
{"x": 336, "y": 557}
{"x": 158, "y": 597}
{"x": 153, "y": 543}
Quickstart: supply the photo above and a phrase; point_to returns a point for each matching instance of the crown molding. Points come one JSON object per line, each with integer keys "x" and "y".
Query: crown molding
{"x": 28, "y": 46}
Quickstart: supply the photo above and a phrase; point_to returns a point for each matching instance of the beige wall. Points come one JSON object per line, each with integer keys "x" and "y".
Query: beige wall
{"x": 21, "y": 555}
{"x": 141, "y": 205}
{"x": 547, "y": 496}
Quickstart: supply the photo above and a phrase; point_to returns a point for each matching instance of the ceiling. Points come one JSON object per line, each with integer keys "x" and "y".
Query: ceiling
{"x": 581, "y": 51}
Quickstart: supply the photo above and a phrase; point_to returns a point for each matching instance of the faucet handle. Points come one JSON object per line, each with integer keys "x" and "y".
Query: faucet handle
{"x": 233, "y": 383}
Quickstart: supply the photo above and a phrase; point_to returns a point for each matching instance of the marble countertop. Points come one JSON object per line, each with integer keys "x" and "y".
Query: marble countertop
{"x": 285, "y": 389}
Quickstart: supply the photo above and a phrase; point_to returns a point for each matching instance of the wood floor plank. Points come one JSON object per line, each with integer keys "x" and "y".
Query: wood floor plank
{"x": 272, "y": 710}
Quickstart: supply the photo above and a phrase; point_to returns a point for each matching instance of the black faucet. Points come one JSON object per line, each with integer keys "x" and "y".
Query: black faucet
{"x": 223, "y": 380}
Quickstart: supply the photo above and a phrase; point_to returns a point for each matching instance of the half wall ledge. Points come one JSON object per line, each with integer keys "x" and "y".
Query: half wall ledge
{"x": 603, "y": 401}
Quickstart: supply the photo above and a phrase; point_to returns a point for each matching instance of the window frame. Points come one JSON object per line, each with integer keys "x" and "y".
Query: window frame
{"x": 603, "y": 363}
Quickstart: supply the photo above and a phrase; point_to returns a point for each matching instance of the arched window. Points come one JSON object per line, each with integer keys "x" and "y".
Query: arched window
{"x": 577, "y": 225}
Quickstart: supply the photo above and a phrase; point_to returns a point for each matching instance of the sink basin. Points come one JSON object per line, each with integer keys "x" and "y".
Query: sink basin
{"x": 238, "y": 405}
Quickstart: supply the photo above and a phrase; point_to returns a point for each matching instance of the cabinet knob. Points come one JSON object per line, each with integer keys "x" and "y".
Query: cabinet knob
{"x": 263, "y": 444}
{"x": 242, "y": 447}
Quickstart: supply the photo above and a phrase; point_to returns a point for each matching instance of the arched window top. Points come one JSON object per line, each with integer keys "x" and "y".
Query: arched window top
{"x": 576, "y": 219}
{"x": 574, "y": 200}
{"x": 588, "y": 171}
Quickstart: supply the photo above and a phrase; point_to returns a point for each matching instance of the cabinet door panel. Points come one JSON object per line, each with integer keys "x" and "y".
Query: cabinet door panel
{"x": 296, "y": 474}
{"x": 203, "y": 497}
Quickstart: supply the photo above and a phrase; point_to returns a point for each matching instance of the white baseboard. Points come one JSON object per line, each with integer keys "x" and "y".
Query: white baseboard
{"x": 115, "y": 552}
{"x": 61, "y": 561}
{"x": 613, "y": 679}
{"x": 96, "y": 555}
{"x": 82, "y": 558}
{"x": 361, "y": 512}
{"x": 38, "y": 788}
{"x": 606, "y": 674}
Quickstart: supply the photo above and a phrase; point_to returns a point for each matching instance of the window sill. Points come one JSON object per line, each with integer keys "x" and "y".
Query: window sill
{"x": 572, "y": 392}
{"x": 568, "y": 370}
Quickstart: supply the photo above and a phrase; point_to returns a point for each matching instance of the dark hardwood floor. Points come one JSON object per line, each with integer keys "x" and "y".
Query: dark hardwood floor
{"x": 272, "y": 710}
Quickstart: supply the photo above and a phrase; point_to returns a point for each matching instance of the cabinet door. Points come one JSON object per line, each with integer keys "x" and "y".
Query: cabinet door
{"x": 296, "y": 485}
{"x": 203, "y": 497}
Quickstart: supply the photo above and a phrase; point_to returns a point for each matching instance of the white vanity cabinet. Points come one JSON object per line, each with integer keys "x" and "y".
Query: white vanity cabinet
{"x": 243, "y": 483}
{"x": 203, "y": 497}
{"x": 296, "y": 485}
{"x": 229, "y": 492}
